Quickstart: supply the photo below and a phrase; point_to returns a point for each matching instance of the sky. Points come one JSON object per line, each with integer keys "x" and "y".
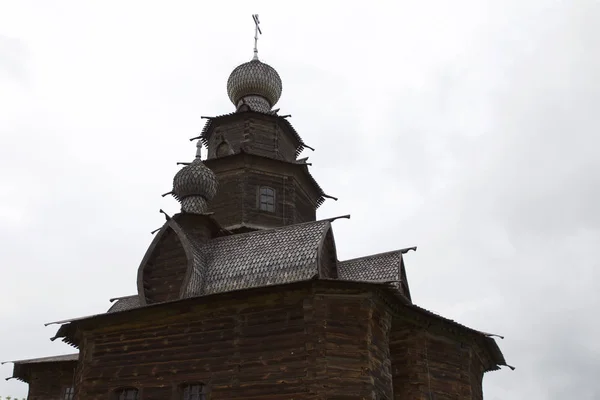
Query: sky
{"x": 466, "y": 128}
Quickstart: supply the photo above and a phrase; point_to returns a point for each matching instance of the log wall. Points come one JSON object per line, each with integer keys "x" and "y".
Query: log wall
{"x": 301, "y": 344}
{"x": 164, "y": 271}
{"x": 48, "y": 381}
{"x": 262, "y": 135}
{"x": 237, "y": 199}
{"x": 426, "y": 364}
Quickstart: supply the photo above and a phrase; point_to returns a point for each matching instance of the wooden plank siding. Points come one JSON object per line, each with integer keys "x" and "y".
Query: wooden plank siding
{"x": 257, "y": 134}
{"x": 426, "y": 364}
{"x": 270, "y": 150}
{"x": 236, "y": 201}
{"x": 164, "y": 272}
{"x": 299, "y": 344}
{"x": 48, "y": 381}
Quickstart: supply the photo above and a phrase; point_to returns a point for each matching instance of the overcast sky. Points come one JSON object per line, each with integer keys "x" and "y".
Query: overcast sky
{"x": 467, "y": 128}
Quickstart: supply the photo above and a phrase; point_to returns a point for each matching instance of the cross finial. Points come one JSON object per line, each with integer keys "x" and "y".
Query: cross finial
{"x": 256, "y": 32}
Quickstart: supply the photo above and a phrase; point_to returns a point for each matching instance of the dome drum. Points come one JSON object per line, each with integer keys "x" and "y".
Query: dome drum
{"x": 256, "y": 103}
{"x": 194, "y": 205}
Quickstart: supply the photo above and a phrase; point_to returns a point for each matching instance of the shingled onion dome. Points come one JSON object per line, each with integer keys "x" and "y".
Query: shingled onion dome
{"x": 194, "y": 186}
{"x": 256, "y": 84}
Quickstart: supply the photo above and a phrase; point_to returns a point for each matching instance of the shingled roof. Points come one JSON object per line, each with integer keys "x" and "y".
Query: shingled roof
{"x": 125, "y": 303}
{"x": 385, "y": 267}
{"x": 276, "y": 257}
{"x": 260, "y": 258}
{"x": 271, "y": 257}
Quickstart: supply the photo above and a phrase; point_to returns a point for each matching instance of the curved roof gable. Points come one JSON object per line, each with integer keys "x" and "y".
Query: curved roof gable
{"x": 166, "y": 266}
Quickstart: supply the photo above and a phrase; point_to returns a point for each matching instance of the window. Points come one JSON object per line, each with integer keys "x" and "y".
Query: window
{"x": 69, "y": 393}
{"x": 127, "y": 394}
{"x": 193, "y": 392}
{"x": 266, "y": 199}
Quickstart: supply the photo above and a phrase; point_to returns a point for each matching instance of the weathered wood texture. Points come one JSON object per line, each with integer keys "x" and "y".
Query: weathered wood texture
{"x": 348, "y": 347}
{"x": 284, "y": 194}
{"x": 328, "y": 257}
{"x": 270, "y": 150}
{"x": 48, "y": 381}
{"x": 165, "y": 270}
{"x": 227, "y": 204}
{"x": 428, "y": 365}
{"x": 305, "y": 209}
{"x": 237, "y": 200}
{"x": 197, "y": 227}
{"x": 300, "y": 344}
{"x": 379, "y": 352}
{"x": 262, "y": 135}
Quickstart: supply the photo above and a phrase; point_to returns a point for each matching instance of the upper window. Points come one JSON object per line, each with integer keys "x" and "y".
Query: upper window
{"x": 266, "y": 199}
{"x": 69, "y": 393}
{"x": 127, "y": 394}
{"x": 193, "y": 392}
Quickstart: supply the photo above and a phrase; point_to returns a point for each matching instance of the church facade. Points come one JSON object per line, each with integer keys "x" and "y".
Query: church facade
{"x": 241, "y": 295}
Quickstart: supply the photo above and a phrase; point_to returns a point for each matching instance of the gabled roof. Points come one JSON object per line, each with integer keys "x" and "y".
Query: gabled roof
{"x": 242, "y": 261}
{"x": 260, "y": 258}
{"x": 385, "y": 267}
{"x": 125, "y": 303}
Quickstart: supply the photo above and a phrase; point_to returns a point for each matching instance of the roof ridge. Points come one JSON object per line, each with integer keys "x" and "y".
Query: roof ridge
{"x": 60, "y": 357}
{"x": 123, "y": 297}
{"x": 401, "y": 251}
{"x": 267, "y": 231}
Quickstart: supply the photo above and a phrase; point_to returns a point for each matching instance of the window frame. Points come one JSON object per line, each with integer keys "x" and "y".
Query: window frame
{"x": 68, "y": 393}
{"x": 260, "y": 202}
{"x": 182, "y": 386}
{"x": 118, "y": 391}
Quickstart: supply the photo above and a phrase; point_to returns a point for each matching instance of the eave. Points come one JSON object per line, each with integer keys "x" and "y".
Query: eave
{"x": 301, "y": 168}
{"x": 21, "y": 367}
{"x": 207, "y": 131}
{"x": 399, "y": 304}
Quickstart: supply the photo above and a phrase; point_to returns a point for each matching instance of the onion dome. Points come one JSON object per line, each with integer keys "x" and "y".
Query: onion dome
{"x": 256, "y": 84}
{"x": 194, "y": 186}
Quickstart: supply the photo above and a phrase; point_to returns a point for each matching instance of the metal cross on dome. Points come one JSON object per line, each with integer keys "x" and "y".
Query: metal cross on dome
{"x": 256, "y": 32}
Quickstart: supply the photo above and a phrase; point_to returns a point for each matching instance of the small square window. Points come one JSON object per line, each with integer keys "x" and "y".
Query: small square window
{"x": 193, "y": 392}
{"x": 127, "y": 394}
{"x": 69, "y": 393}
{"x": 266, "y": 199}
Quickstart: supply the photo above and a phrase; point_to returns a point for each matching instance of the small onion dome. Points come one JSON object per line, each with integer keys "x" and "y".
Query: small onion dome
{"x": 194, "y": 186}
{"x": 254, "y": 78}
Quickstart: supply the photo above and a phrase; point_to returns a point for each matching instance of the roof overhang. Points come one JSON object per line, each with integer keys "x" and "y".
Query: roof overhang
{"x": 247, "y": 160}
{"x": 399, "y": 304}
{"x": 22, "y": 368}
{"x": 282, "y": 121}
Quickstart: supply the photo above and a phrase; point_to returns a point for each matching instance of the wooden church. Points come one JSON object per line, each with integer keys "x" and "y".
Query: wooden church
{"x": 241, "y": 295}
